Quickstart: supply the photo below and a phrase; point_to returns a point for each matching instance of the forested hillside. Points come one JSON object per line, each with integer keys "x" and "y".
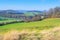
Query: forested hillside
{"x": 23, "y": 14}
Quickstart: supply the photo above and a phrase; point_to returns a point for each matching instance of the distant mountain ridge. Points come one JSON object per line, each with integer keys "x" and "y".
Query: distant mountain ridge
{"x": 18, "y": 11}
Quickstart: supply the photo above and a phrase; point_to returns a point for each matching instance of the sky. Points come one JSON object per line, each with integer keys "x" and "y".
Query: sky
{"x": 28, "y": 4}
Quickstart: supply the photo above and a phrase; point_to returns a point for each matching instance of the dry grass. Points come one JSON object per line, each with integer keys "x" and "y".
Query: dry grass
{"x": 51, "y": 34}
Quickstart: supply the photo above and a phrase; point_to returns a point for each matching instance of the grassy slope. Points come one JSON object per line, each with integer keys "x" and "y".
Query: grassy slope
{"x": 38, "y": 25}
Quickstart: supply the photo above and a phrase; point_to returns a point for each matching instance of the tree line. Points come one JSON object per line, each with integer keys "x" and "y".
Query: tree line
{"x": 53, "y": 12}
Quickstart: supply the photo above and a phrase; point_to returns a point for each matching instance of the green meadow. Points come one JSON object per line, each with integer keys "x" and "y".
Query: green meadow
{"x": 37, "y": 25}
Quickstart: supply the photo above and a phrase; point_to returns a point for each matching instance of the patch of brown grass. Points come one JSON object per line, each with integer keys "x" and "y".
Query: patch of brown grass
{"x": 52, "y": 34}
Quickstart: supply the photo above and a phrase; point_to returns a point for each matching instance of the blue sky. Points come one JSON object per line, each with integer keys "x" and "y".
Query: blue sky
{"x": 28, "y": 4}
